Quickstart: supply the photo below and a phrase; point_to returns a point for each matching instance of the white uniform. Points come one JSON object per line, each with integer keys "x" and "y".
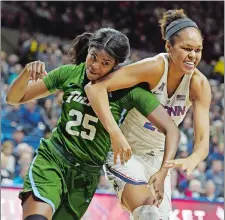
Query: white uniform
{"x": 147, "y": 142}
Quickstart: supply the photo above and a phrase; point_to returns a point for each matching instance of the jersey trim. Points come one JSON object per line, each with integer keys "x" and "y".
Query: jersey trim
{"x": 35, "y": 190}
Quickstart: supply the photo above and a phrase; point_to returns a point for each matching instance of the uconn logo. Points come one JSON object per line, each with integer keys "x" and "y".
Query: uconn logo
{"x": 175, "y": 110}
{"x": 172, "y": 111}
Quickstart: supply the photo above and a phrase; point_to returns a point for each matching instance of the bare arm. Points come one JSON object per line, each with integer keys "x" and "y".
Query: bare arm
{"x": 160, "y": 118}
{"x": 21, "y": 91}
{"x": 201, "y": 96}
{"x": 201, "y": 93}
{"x": 142, "y": 71}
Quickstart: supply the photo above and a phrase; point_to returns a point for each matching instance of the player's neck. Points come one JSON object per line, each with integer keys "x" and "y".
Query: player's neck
{"x": 174, "y": 73}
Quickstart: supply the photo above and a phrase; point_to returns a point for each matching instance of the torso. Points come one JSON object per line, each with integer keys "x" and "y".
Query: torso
{"x": 140, "y": 133}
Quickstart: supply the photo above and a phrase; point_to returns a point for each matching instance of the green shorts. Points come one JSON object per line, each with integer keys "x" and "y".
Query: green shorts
{"x": 62, "y": 182}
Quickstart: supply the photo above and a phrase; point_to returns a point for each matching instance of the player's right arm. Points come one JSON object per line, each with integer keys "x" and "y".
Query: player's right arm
{"x": 148, "y": 70}
{"x": 21, "y": 91}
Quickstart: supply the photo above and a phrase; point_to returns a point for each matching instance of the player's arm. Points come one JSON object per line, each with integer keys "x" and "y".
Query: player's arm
{"x": 127, "y": 76}
{"x": 148, "y": 105}
{"x": 201, "y": 96}
{"x": 21, "y": 91}
{"x": 161, "y": 120}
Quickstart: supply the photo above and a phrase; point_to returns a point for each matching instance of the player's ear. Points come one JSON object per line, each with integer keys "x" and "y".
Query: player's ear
{"x": 167, "y": 46}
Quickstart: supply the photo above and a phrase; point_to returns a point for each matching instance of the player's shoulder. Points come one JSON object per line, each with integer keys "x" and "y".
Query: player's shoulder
{"x": 156, "y": 62}
{"x": 198, "y": 78}
{"x": 156, "y": 67}
{"x": 199, "y": 83}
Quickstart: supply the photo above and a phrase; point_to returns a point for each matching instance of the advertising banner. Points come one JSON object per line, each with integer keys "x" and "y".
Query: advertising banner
{"x": 107, "y": 207}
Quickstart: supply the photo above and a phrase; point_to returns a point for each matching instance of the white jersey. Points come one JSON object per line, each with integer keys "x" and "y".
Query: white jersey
{"x": 140, "y": 133}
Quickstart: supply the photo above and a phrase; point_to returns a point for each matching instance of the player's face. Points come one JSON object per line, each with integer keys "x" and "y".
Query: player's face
{"x": 186, "y": 53}
{"x": 98, "y": 63}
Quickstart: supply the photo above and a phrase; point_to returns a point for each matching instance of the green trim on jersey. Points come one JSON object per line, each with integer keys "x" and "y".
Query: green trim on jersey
{"x": 79, "y": 132}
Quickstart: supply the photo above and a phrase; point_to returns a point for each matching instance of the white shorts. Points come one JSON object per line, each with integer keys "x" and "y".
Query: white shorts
{"x": 137, "y": 171}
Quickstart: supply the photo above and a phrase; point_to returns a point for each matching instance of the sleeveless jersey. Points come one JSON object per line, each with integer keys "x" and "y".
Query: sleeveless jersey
{"x": 140, "y": 133}
{"x": 78, "y": 130}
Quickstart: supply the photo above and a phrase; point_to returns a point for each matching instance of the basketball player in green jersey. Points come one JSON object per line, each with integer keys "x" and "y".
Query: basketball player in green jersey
{"x": 65, "y": 171}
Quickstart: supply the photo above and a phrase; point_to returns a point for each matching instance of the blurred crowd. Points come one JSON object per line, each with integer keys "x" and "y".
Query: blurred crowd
{"x": 48, "y": 39}
{"x": 137, "y": 19}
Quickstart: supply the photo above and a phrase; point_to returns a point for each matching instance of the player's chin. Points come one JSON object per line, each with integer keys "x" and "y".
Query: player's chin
{"x": 92, "y": 77}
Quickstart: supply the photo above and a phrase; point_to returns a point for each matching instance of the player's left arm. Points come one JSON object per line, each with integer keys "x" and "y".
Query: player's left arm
{"x": 200, "y": 93}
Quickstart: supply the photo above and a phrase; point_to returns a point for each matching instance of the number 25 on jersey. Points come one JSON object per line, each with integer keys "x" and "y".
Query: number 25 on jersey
{"x": 83, "y": 120}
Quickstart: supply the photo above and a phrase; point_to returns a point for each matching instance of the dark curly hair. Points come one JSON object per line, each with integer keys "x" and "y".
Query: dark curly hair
{"x": 112, "y": 41}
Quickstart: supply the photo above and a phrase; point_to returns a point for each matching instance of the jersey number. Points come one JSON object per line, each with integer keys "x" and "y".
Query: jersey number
{"x": 86, "y": 124}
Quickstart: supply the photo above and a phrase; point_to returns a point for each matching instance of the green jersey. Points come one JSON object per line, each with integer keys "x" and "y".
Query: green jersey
{"x": 79, "y": 130}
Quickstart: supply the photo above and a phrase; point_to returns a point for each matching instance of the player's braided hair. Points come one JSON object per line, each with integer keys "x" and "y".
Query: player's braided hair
{"x": 112, "y": 41}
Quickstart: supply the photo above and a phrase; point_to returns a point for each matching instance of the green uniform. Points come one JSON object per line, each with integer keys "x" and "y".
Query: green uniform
{"x": 66, "y": 168}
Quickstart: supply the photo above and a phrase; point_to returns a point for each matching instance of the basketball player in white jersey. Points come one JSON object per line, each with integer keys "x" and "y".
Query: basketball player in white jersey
{"x": 178, "y": 84}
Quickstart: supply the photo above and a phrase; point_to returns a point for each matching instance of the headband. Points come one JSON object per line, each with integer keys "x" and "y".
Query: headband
{"x": 179, "y": 24}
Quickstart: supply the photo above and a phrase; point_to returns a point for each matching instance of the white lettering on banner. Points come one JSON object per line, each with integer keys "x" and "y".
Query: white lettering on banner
{"x": 174, "y": 214}
{"x": 187, "y": 215}
{"x": 220, "y": 213}
{"x": 199, "y": 214}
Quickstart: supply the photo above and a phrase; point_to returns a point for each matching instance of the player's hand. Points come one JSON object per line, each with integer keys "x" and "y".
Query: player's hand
{"x": 121, "y": 148}
{"x": 157, "y": 181}
{"x": 36, "y": 70}
{"x": 186, "y": 164}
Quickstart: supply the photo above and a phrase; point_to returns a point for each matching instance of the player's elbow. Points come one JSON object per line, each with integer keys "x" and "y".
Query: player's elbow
{"x": 205, "y": 151}
{"x": 11, "y": 101}
{"x": 92, "y": 88}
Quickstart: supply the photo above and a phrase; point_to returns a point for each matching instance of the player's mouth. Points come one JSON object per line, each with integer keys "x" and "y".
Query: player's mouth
{"x": 92, "y": 74}
{"x": 189, "y": 64}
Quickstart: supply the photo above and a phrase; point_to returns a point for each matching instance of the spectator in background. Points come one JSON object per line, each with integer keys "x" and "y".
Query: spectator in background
{"x": 216, "y": 174}
{"x": 6, "y": 175}
{"x": 199, "y": 173}
{"x": 209, "y": 194}
{"x": 19, "y": 179}
{"x": 13, "y": 73}
{"x": 219, "y": 70}
{"x": 13, "y": 59}
{"x": 22, "y": 149}
{"x": 4, "y": 65}
{"x": 24, "y": 155}
{"x": 13, "y": 115}
{"x": 31, "y": 118}
{"x": 6, "y": 155}
{"x": 194, "y": 190}
{"x": 217, "y": 130}
{"x": 4, "y": 88}
{"x": 18, "y": 136}
{"x": 174, "y": 186}
{"x": 187, "y": 128}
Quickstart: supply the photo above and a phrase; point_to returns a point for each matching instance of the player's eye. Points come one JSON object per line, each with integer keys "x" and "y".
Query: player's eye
{"x": 187, "y": 49}
{"x": 106, "y": 64}
{"x": 93, "y": 57}
{"x": 198, "y": 50}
